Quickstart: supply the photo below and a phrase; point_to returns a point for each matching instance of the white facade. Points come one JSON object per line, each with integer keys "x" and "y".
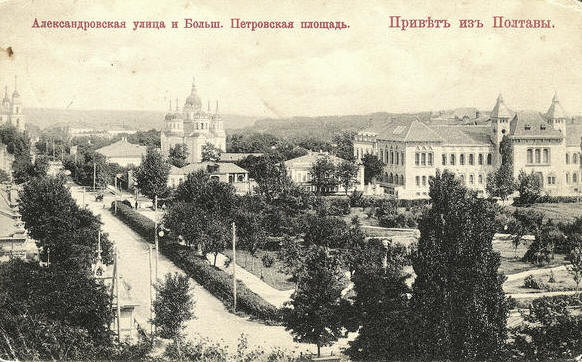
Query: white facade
{"x": 11, "y": 111}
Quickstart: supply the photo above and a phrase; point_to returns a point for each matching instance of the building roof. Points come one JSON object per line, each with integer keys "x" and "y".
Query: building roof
{"x": 555, "y": 111}
{"x": 214, "y": 168}
{"x": 464, "y": 135}
{"x": 404, "y": 130}
{"x": 532, "y": 125}
{"x": 310, "y": 158}
{"x": 122, "y": 149}
{"x": 11, "y": 226}
{"x": 233, "y": 157}
{"x": 500, "y": 110}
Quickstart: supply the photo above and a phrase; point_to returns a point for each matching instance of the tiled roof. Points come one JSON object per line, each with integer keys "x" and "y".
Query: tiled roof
{"x": 310, "y": 158}
{"x": 464, "y": 135}
{"x": 500, "y": 110}
{"x": 532, "y": 124}
{"x": 221, "y": 168}
{"x": 404, "y": 130}
{"x": 122, "y": 148}
{"x": 555, "y": 111}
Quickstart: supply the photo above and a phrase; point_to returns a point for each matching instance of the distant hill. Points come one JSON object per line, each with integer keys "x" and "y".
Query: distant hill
{"x": 324, "y": 127}
{"x": 102, "y": 119}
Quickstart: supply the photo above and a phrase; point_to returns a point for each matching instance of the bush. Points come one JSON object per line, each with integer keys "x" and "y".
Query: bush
{"x": 268, "y": 260}
{"x": 139, "y": 223}
{"x": 547, "y": 199}
{"x": 216, "y": 281}
{"x": 533, "y": 283}
{"x": 338, "y": 207}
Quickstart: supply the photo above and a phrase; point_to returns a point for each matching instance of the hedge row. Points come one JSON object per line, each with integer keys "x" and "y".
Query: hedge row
{"x": 216, "y": 281}
{"x": 549, "y": 199}
{"x": 219, "y": 283}
{"x": 142, "y": 225}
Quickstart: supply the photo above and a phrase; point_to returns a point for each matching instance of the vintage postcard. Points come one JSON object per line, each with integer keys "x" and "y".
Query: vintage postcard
{"x": 290, "y": 180}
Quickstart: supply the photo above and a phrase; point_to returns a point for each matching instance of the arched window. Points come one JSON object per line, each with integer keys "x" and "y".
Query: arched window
{"x": 480, "y": 159}
{"x": 391, "y": 157}
{"x": 567, "y": 158}
{"x": 529, "y": 155}
{"x": 452, "y": 158}
{"x": 444, "y": 160}
{"x": 471, "y": 179}
{"x": 575, "y": 178}
{"x": 462, "y": 159}
{"x": 423, "y": 180}
{"x": 430, "y": 159}
{"x": 390, "y": 178}
{"x": 489, "y": 161}
{"x": 480, "y": 178}
{"x": 402, "y": 179}
{"x": 463, "y": 179}
{"x": 567, "y": 178}
{"x": 402, "y": 158}
{"x": 575, "y": 158}
{"x": 471, "y": 159}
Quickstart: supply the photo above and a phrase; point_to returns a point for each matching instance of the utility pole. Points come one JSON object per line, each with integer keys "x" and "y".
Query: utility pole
{"x": 151, "y": 296}
{"x": 84, "y": 204}
{"x": 118, "y": 312}
{"x": 234, "y": 265}
{"x": 94, "y": 174}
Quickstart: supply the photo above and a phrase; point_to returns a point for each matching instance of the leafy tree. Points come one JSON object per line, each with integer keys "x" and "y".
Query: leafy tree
{"x": 381, "y": 305}
{"x": 149, "y": 138}
{"x": 173, "y": 305}
{"x": 458, "y": 295}
{"x": 323, "y": 175}
{"x": 549, "y": 331}
{"x": 326, "y": 231}
{"x": 215, "y": 197}
{"x": 215, "y": 237}
{"x": 152, "y": 175}
{"x": 58, "y": 225}
{"x": 529, "y": 187}
{"x": 541, "y": 250}
{"x": 346, "y": 174}
{"x": 344, "y": 142}
{"x": 313, "y": 314}
{"x": 178, "y": 155}
{"x": 210, "y": 152}
{"x": 372, "y": 167}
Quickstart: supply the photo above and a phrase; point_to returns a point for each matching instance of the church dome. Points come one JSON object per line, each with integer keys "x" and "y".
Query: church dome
{"x": 193, "y": 100}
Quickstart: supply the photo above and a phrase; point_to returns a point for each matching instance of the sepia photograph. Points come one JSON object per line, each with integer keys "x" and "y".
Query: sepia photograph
{"x": 293, "y": 180}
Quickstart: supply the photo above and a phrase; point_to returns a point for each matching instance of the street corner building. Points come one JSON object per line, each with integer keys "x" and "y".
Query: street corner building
{"x": 193, "y": 127}
{"x": 547, "y": 144}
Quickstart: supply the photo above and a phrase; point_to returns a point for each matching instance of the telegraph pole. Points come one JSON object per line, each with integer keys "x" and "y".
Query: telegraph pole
{"x": 234, "y": 265}
{"x": 118, "y": 312}
{"x": 151, "y": 296}
{"x": 94, "y": 174}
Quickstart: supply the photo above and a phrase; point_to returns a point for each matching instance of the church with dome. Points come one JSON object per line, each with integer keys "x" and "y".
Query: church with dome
{"x": 193, "y": 127}
{"x": 11, "y": 110}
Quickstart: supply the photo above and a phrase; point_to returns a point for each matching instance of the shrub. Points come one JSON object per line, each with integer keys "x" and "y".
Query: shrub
{"x": 339, "y": 207}
{"x": 268, "y": 260}
{"x": 533, "y": 283}
{"x": 139, "y": 223}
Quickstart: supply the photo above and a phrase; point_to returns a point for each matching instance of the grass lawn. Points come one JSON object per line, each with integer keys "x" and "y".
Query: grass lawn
{"x": 511, "y": 265}
{"x": 564, "y": 212}
{"x": 253, "y": 264}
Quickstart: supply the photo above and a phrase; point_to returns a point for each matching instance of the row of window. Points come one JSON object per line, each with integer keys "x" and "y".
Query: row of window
{"x": 574, "y": 180}
{"x": 393, "y": 178}
{"x": 469, "y": 159}
{"x": 574, "y": 158}
{"x": 470, "y": 179}
{"x": 538, "y": 155}
{"x": 423, "y": 158}
{"x": 361, "y": 152}
{"x": 392, "y": 157}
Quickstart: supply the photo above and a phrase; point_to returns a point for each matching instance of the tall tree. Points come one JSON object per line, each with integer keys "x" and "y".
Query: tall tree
{"x": 346, "y": 174}
{"x": 381, "y": 304}
{"x": 501, "y": 182}
{"x": 314, "y": 313}
{"x": 344, "y": 145}
{"x": 152, "y": 174}
{"x": 373, "y": 167}
{"x": 323, "y": 175}
{"x": 173, "y": 305}
{"x": 458, "y": 294}
{"x": 178, "y": 155}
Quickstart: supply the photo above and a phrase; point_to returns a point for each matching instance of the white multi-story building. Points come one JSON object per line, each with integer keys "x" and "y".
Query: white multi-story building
{"x": 546, "y": 144}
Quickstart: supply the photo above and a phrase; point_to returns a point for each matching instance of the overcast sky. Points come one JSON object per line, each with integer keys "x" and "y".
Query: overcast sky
{"x": 277, "y": 73}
